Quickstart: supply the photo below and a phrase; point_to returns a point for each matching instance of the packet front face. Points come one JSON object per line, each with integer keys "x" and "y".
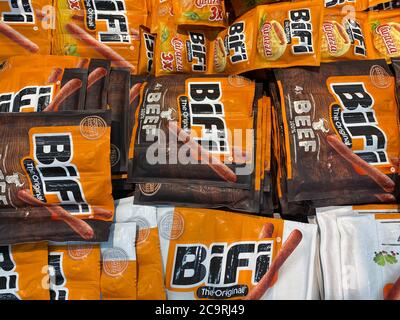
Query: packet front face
{"x": 385, "y": 31}
{"x": 341, "y": 130}
{"x": 198, "y": 128}
{"x": 31, "y": 86}
{"x": 364, "y": 257}
{"x": 23, "y": 270}
{"x": 100, "y": 29}
{"x": 206, "y": 13}
{"x": 119, "y": 266}
{"x": 218, "y": 255}
{"x": 25, "y": 27}
{"x": 345, "y": 37}
{"x": 150, "y": 282}
{"x": 271, "y": 36}
{"x": 75, "y": 271}
{"x": 52, "y": 190}
{"x": 181, "y": 51}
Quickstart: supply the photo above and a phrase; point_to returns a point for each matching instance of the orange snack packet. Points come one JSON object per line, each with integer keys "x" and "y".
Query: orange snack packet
{"x": 181, "y": 51}
{"x": 385, "y": 30}
{"x": 271, "y": 36}
{"x": 23, "y": 270}
{"x": 74, "y": 271}
{"x": 206, "y": 13}
{"x": 161, "y": 11}
{"x": 25, "y": 27}
{"x": 119, "y": 271}
{"x": 345, "y": 37}
{"x": 30, "y": 86}
{"x": 100, "y": 29}
{"x": 150, "y": 282}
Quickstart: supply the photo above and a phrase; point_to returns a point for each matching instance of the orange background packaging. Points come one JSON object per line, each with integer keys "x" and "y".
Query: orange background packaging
{"x": 205, "y": 13}
{"x": 161, "y": 12}
{"x": 183, "y": 229}
{"x": 29, "y": 23}
{"x": 257, "y": 40}
{"x": 123, "y": 40}
{"x": 351, "y": 42}
{"x": 18, "y": 74}
{"x": 171, "y": 51}
{"x": 385, "y": 32}
{"x": 77, "y": 271}
{"x": 150, "y": 283}
{"x": 29, "y": 269}
{"x": 95, "y": 182}
{"x": 119, "y": 271}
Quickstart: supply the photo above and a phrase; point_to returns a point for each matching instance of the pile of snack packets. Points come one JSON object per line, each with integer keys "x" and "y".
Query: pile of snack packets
{"x": 199, "y": 149}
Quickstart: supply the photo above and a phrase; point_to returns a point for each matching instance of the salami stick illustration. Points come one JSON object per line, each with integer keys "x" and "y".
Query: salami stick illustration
{"x": 135, "y": 34}
{"x": 26, "y": 197}
{"x": 267, "y": 231}
{"x": 197, "y": 151}
{"x": 78, "y": 225}
{"x": 54, "y": 75}
{"x": 394, "y": 293}
{"x": 284, "y": 253}
{"x": 101, "y": 48}
{"x": 346, "y": 153}
{"x": 385, "y": 197}
{"x": 18, "y": 38}
{"x": 134, "y": 92}
{"x": 82, "y": 63}
{"x": 96, "y": 75}
{"x": 66, "y": 91}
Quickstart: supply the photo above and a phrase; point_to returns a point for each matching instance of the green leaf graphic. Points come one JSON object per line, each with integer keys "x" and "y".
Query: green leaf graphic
{"x": 379, "y": 259}
{"x": 191, "y": 15}
{"x": 164, "y": 35}
{"x": 390, "y": 259}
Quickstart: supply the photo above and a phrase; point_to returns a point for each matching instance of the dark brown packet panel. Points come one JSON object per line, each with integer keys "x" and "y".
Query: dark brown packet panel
{"x": 281, "y": 202}
{"x": 191, "y": 195}
{"x": 20, "y": 222}
{"x": 96, "y": 95}
{"x": 77, "y": 100}
{"x": 122, "y": 189}
{"x": 23, "y": 231}
{"x": 118, "y": 101}
{"x": 198, "y": 173}
{"x": 396, "y": 66}
{"x": 311, "y": 180}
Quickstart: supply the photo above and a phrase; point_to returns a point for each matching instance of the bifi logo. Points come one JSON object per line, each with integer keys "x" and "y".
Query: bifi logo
{"x": 334, "y": 3}
{"x": 197, "y": 46}
{"x": 355, "y": 118}
{"x": 356, "y": 33}
{"x": 237, "y": 42}
{"x": 113, "y": 13}
{"x": 21, "y": 12}
{"x": 58, "y": 291}
{"x": 32, "y": 97}
{"x": 149, "y": 45}
{"x": 207, "y": 112}
{"x": 301, "y": 29}
{"x": 220, "y": 264}
{"x": 8, "y": 276}
{"x": 52, "y": 173}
